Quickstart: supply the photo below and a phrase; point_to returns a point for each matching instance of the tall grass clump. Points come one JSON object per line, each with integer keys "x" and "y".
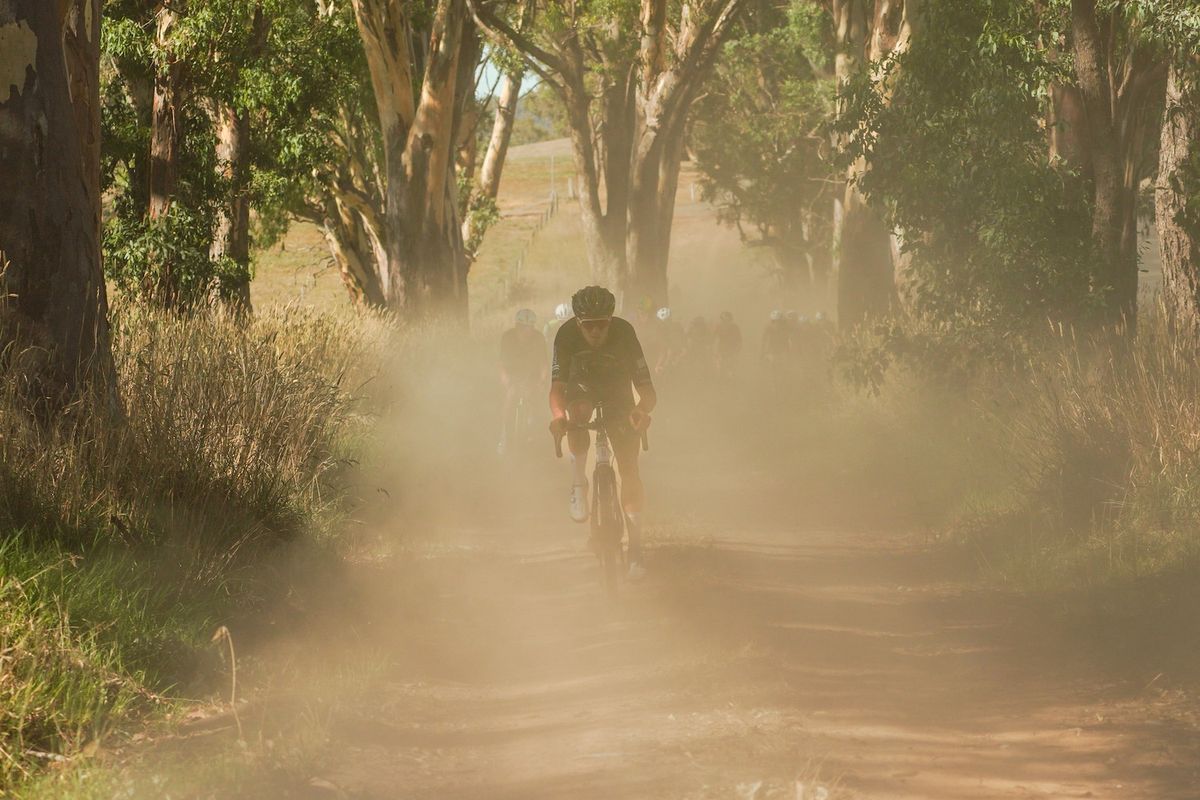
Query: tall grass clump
{"x": 1109, "y": 439}
{"x": 1075, "y": 458}
{"x": 127, "y": 538}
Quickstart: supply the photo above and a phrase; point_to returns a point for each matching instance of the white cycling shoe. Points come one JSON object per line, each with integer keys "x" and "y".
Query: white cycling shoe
{"x": 579, "y": 502}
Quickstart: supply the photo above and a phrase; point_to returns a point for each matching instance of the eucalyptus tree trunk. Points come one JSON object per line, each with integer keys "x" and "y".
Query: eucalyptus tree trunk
{"x": 231, "y": 238}
{"x": 1176, "y": 195}
{"x": 626, "y": 118}
{"x": 494, "y": 157}
{"x": 863, "y": 245}
{"x": 600, "y": 155}
{"x": 355, "y": 250}
{"x": 54, "y": 310}
{"x": 418, "y": 96}
{"x": 502, "y": 128}
{"x": 670, "y": 75}
{"x": 1121, "y": 87}
{"x": 161, "y": 282}
{"x": 1066, "y": 126}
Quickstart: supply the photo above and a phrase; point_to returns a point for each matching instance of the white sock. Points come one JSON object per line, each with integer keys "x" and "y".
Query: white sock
{"x": 579, "y": 470}
{"x": 635, "y": 520}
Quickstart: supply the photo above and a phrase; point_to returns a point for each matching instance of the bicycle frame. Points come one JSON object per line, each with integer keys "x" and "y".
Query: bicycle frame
{"x": 607, "y": 516}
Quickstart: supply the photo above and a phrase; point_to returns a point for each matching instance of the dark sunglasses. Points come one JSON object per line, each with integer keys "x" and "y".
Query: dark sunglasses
{"x": 596, "y": 324}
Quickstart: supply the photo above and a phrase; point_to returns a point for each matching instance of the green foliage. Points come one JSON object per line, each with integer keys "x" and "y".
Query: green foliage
{"x": 956, "y": 353}
{"x": 958, "y": 160}
{"x": 760, "y": 136}
{"x": 285, "y": 75}
{"x": 1171, "y": 25}
{"x": 540, "y": 116}
{"x": 135, "y": 246}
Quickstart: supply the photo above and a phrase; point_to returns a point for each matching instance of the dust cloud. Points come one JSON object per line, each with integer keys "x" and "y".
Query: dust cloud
{"x": 794, "y": 636}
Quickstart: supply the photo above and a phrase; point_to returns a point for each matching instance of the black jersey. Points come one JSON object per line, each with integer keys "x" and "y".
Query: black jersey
{"x": 608, "y": 372}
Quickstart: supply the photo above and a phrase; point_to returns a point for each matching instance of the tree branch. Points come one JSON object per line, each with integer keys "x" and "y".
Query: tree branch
{"x": 499, "y": 30}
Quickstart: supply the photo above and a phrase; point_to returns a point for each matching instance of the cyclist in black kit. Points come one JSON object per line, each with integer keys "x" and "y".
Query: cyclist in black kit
{"x": 522, "y": 369}
{"x": 598, "y": 358}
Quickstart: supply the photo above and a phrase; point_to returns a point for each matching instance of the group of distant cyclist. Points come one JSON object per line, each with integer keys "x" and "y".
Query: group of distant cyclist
{"x": 590, "y": 358}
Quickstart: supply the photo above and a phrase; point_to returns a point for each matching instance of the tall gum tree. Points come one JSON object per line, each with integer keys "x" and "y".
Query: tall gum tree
{"x": 864, "y": 250}
{"x": 673, "y": 63}
{"x": 481, "y": 210}
{"x": 161, "y": 282}
{"x": 231, "y": 237}
{"x": 1176, "y": 194}
{"x": 627, "y": 75}
{"x": 586, "y": 59}
{"x": 1121, "y": 83}
{"x": 421, "y": 58}
{"x": 55, "y": 301}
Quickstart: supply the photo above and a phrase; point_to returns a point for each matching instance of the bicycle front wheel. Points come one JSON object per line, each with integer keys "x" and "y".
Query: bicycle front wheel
{"x": 608, "y": 524}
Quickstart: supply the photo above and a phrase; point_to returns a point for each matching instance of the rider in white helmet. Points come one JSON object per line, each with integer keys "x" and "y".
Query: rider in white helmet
{"x": 672, "y": 341}
{"x": 562, "y": 313}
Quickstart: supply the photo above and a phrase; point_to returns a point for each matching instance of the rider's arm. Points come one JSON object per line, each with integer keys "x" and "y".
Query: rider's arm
{"x": 643, "y": 382}
{"x": 560, "y": 366}
{"x": 647, "y": 397}
{"x": 558, "y": 399}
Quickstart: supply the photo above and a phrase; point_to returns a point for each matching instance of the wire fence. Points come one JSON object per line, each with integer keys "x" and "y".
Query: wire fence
{"x": 516, "y": 268}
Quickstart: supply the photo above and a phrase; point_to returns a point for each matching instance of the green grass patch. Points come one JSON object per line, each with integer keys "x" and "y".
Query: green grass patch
{"x": 129, "y": 540}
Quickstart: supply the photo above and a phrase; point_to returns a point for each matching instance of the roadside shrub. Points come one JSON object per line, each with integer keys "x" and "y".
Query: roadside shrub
{"x": 1112, "y": 427}
{"x": 125, "y": 540}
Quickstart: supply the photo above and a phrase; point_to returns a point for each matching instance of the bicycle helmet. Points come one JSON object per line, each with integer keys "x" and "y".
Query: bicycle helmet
{"x": 802, "y": 318}
{"x": 776, "y": 315}
{"x": 727, "y": 316}
{"x": 664, "y": 313}
{"x": 526, "y": 316}
{"x": 562, "y": 312}
{"x": 593, "y": 302}
{"x": 820, "y": 316}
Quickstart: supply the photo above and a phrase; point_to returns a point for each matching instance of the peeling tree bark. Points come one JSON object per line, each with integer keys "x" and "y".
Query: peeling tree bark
{"x": 426, "y": 266}
{"x": 54, "y": 312}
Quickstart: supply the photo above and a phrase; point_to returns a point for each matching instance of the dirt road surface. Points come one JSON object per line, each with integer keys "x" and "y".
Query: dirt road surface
{"x": 783, "y": 645}
{"x": 763, "y": 657}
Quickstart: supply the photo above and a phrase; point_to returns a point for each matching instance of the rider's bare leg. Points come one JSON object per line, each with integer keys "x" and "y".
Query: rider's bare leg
{"x": 579, "y": 441}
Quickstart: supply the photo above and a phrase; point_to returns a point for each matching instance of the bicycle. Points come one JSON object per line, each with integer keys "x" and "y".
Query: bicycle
{"x": 518, "y": 426}
{"x": 607, "y": 517}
